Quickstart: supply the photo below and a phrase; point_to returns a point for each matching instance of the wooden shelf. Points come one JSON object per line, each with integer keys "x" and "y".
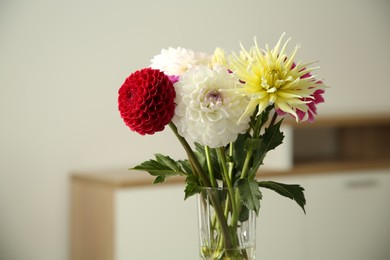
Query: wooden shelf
{"x": 340, "y": 142}
{"x": 120, "y": 178}
{"x": 345, "y": 121}
{"x": 328, "y": 167}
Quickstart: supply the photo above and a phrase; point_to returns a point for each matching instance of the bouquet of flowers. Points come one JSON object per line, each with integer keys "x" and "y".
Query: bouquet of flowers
{"x": 226, "y": 110}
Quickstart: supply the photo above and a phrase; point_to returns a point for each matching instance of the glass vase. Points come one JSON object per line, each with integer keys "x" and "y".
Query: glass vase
{"x": 227, "y": 229}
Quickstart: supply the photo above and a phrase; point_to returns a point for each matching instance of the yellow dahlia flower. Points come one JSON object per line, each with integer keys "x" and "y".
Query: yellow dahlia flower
{"x": 218, "y": 58}
{"x": 273, "y": 78}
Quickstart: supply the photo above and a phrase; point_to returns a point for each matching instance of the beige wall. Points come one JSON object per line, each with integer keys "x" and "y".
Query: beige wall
{"x": 62, "y": 62}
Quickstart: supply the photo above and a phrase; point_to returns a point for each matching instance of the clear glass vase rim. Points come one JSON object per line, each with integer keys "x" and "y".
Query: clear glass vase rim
{"x": 216, "y": 188}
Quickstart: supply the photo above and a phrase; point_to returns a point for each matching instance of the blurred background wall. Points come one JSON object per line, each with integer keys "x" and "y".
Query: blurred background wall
{"x": 62, "y": 62}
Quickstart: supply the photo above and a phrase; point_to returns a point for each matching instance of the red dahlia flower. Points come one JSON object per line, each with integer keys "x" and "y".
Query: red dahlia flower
{"x": 146, "y": 101}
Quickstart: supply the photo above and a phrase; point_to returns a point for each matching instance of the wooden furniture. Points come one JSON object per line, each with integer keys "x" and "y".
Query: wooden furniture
{"x": 101, "y": 202}
{"x": 343, "y": 163}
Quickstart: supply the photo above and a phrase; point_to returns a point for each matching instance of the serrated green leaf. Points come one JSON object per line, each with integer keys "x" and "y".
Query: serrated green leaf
{"x": 186, "y": 166}
{"x": 239, "y": 147}
{"x": 162, "y": 168}
{"x": 155, "y": 168}
{"x": 252, "y": 143}
{"x": 244, "y": 214}
{"x": 159, "y": 179}
{"x": 271, "y": 138}
{"x": 168, "y": 161}
{"x": 292, "y": 191}
{"x": 250, "y": 194}
{"x": 192, "y": 187}
{"x": 201, "y": 155}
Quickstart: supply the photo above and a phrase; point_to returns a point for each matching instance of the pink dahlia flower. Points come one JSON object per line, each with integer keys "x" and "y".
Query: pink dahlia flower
{"x": 309, "y": 109}
{"x": 311, "y": 106}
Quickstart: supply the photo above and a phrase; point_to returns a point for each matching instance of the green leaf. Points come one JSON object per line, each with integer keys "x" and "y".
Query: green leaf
{"x": 250, "y": 194}
{"x": 201, "y": 155}
{"x": 271, "y": 138}
{"x": 292, "y": 191}
{"x": 162, "y": 167}
{"x": 168, "y": 161}
{"x": 192, "y": 187}
{"x": 186, "y": 166}
{"x": 159, "y": 179}
{"x": 239, "y": 147}
{"x": 244, "y": 214}
{"x": 253, "y": 143}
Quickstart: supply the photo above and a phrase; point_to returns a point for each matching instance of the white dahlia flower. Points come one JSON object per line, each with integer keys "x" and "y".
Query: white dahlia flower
{"x": 208, "y": 107}
{"x": 174, "y": 62}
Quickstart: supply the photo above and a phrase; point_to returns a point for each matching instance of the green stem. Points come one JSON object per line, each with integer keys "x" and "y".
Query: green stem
{"x": 228, "y": 181}
{"x": 273, "y": 119}
{"x": 231, "y": 164}
{"x": 260, "y": 121}
{"x": 222, "y": 161}
{"x": 214, "y": 199}
{"x": 210, "y": 167}
{"x": 221, "y": 218}
{"x": 245, "y": 168}
{"x": 191, "y": 156}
